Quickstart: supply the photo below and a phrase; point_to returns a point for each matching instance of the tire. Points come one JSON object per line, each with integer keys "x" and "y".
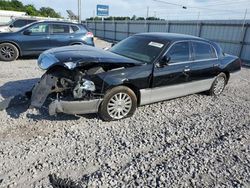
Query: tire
{"x": 118, "y": 103}
{"x": 218, "y": 85}
{"x": 8, "y": 52}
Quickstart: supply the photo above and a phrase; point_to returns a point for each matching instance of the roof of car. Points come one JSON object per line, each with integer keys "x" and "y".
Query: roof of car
{"x": 170, "y": 36}
{"x": 53, "y": 21}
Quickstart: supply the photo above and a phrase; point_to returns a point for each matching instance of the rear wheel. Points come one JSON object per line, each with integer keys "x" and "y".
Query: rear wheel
{"x": 218, "y": 85}
{"x": 8, "y": 52}
{"x": 118, "y": 103}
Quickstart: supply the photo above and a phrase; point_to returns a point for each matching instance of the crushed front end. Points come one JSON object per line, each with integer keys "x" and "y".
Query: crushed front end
{"x": 68, "y": 91}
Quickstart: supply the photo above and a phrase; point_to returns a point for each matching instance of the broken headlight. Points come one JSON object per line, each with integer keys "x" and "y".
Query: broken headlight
{"x": 83, "y": 87}
{"x": 46, "y": 60}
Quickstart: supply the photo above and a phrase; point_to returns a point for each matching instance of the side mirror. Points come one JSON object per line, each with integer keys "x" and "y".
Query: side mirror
{"x": 112, "y": 44}
{"x": 11, "y": 26}
{"x": 27, "y": 32}
{"x": 164, "y": 61}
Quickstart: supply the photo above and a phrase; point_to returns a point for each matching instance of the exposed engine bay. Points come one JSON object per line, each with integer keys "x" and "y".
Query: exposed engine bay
{"x": 57, "y": 85}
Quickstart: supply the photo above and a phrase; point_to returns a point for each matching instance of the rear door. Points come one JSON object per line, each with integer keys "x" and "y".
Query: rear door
{"x": 206, "y": 63}
{"x": 60, "y": 35}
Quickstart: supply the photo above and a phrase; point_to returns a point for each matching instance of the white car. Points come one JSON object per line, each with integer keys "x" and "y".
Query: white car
{"x": 15, "y": 24}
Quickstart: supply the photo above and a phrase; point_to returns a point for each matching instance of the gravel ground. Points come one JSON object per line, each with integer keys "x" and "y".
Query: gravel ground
{"x": 193, "y": 141}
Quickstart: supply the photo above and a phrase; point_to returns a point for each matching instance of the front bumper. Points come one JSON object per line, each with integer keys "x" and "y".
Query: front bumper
{"x": 74, "y": 107}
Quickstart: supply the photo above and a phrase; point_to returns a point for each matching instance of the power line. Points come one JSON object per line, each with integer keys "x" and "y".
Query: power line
{"x": 193, "y": 7}
{"x": 231, "y": 3}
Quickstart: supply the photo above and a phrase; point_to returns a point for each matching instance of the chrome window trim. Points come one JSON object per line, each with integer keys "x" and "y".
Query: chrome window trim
{"x": 176, "y": 42}
{"x": 200, "y": 60}
{"x": 204, "y": 42}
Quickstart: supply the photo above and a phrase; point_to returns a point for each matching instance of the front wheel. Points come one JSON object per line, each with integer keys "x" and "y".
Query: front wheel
{"x": 218, "y": 85}
{"x": 8, "y": 52}
{"x": 118, "y": 103}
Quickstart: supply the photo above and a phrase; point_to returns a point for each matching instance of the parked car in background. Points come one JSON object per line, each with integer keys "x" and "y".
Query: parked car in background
{"x": 142, "y": 69}
{"x": 16, "y": 24}
{"x": 42, "y": 35}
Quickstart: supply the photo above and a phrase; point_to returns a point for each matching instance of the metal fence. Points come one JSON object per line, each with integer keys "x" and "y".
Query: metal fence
{"x": 232, "y": 35}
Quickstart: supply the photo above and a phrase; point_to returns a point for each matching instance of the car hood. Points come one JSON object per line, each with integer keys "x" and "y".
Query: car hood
{"x": 81, "y": 55}
{"x": 4, "y": 28}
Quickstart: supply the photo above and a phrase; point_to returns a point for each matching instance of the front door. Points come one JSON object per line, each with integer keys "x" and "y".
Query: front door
{"x": 37, "y": 39}
{"x": 169, "y": 80}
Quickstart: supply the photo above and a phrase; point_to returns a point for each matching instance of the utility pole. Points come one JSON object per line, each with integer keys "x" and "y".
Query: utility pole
{"x": 198, "y": 18}
{"x": 79, "y": 11}
{"x": 147, "y": 11}
{"x": 244, "y": 20}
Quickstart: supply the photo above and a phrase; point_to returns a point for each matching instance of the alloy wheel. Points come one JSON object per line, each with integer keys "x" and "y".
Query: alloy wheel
{"x": 7, "y": 52}
{"x": 119, "y": 105}
{"x": 219, "y": 85}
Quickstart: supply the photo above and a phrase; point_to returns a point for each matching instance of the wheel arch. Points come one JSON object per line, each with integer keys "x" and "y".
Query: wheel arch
{"x": 132, "y": 87}
{"x": 15, "y": 44}
{"x": 57, "y": 70}
{"x": 227, "y": 73}
{"x": 76, "y": 43}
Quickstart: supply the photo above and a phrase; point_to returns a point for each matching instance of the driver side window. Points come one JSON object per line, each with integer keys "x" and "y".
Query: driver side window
{"x": 179, "y": 52}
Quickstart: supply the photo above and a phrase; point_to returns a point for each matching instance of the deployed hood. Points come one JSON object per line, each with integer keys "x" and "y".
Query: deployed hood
{"x": 79, "y": 55}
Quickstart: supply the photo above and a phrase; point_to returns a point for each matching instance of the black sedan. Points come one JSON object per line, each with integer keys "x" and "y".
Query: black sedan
{"x": 37, "y": 37}
{"x": 142, "y": 69}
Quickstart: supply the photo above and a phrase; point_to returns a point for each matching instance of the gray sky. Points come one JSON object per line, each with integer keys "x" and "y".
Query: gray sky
{"x": 202, "y": 9}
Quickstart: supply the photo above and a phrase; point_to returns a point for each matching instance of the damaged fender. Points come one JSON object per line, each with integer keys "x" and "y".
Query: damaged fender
{"x": 42, "y": 89}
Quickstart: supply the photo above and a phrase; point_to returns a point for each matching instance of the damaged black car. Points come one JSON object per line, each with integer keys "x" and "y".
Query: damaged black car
{"x": 142, "y": 69}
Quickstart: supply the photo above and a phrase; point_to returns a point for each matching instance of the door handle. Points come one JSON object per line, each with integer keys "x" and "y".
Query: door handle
{"x": 71, "y": 37}
{"x": 216, "y": 65}
{"x": 47, "y": 37}
{"x": 186, "y": 70}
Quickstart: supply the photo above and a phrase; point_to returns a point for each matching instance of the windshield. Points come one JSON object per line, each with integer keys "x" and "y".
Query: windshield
{"x": 140, "y": 48}
{"x": 10, "y": 22}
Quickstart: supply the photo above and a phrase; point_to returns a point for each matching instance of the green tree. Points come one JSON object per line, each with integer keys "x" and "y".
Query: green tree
{"x": 16, "y": 5}
{"x": 31, "y": 10}
{"x": 140, "y": 18}
{"x": 11, "y": 5}
{"x": 133, "y": 17}
{"x": 153, "y": 18}
{"x": 49, "y": 12}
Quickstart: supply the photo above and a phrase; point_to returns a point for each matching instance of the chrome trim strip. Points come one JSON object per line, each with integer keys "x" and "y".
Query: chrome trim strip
{"x": 184, "y": 62}
{"x": 169, "y": 92}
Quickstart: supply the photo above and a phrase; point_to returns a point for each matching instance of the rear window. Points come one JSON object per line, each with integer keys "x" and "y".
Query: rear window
{"x": 74, "y": 29}
{"x": 60, "y": 29}
{"x": 203, "y": 51}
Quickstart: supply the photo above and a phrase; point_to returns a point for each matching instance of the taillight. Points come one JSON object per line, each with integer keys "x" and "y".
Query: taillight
{"x": 90, "y": 34}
